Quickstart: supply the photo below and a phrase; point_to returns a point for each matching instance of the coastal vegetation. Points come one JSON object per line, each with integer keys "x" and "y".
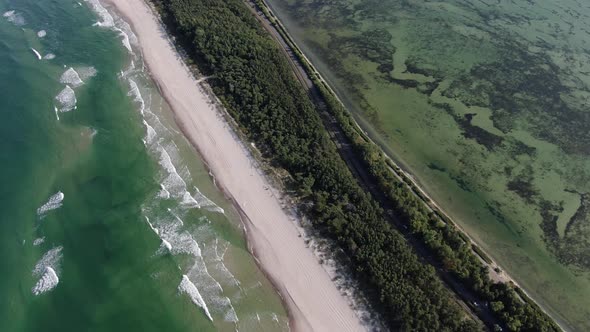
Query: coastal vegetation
{"x": 254, "y": 81}
{"x": 256, "y": 84}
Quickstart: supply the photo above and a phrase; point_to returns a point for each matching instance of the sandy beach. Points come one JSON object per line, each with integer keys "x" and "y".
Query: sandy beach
{"x": 312, "y": 299}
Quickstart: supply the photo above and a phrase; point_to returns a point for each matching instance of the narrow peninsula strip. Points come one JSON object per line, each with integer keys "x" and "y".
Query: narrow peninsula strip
{"x": 254, "y": 81}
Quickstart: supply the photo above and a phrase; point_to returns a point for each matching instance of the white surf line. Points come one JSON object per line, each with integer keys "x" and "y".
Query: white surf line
{"x": 37, "y": 53}
{"x": 54, "y": 202}
{"x": 38, "y": 241}
{"x": 45, "y": 270}
{"x": 108, "y": 21}
{"x": 71, "y": 77}
{"x": 14, "y": 17}
{"x": 213, "y": 290}
{"x": 167, "y": 245}
{"x": 204, "y": 202}
{"x": 271, "y": 233}
{"x": 218, "y": 260}
{"x": 47, "y": 282}
{"x": 187, "y": 287}
{"x": 67, "y": 99}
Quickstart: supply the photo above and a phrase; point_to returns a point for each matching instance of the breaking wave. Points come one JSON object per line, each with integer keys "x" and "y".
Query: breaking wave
{"x": 177, "y": 237}
{"x": 50, "y": 258}
{"x": 71, "y": 77}
{"x": 45, "y": 270}
{"x": 86, "y": 72}
{"x": 187, "y": 287}
{"x": 136, "y": 94}
{"x": 38, "y": 241}
{"x": 14, "y": 17}
{"x": 54, "y": 202}
{"x": 47, "y": 282}
{"x": 169, "y": 213}
{"x": 66, "y": 99}
{"x": 37, "y": 54}
{"x": 41, "y": 33}
{"x": 106, "y": 20}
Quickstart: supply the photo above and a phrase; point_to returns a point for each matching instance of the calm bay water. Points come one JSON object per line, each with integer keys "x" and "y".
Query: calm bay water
{"x": 487, "y": 103}
{"x": 108, "y": 221}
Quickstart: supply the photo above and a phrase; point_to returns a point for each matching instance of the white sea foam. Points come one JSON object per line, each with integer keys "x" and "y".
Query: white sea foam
{"x": 219, "y": 265}
{"x": 176, "y": 185}
{"x": 48, "y": 281}
{"x": 231, "y": 315}
{"x": 163, "y": 193}
{"x": 53, "y": 203}
{"x": 38, "y": 241}
{"x": 212, "y": 290}
{"x": 173, "y": 182}
{"x": 136, "y": 94}
{"x": 49, "y": 56}
{"x": 51, "y": 258}
{"x": 150, "y": 133}
{"x": 37, "y": 54}
{"x": 152, "y": 226}
{"x": 14, "y": 17}
{"x": 107, "y": 21}
{"x": 71, "y": 77}
{"x": 106, "y": 18}
{"x": 165, "y": 211}
{"x": 56, "y": 112}
{"x": 167, "y": 245}
{"x": 125, "y": 39}
{"x": 128, "y": 38}
{"x": 188, "y": 200}
{"x": 41, "y": 33}
{"x": 86, "y": 72}
{"x": 187, "y": 287}
{"x": 182, "y": 242}
{"x": 204, "y": 202}
{"x": 66, "y": 99}
{"x": 45, "y": 269}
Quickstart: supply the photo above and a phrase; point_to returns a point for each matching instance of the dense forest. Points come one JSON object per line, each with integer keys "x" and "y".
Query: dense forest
{"x": 253, "y": 79}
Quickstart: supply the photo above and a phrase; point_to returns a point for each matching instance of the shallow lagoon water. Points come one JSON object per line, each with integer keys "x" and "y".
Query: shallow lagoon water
{"x": 487, "y": 104}
{"x": 108, "y": 220}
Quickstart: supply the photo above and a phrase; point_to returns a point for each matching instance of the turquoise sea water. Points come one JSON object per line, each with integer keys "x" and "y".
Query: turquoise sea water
{"x": 108, "y": 221}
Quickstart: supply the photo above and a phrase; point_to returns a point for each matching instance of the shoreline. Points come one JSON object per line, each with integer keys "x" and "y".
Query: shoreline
{"x": 397, "y": 166}
{"x": 272, "y": 237}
